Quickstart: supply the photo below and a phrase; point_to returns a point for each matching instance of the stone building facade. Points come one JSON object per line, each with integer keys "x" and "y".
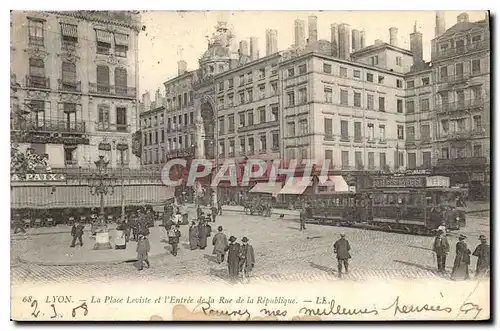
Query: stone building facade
{"x": 76, "y": 77}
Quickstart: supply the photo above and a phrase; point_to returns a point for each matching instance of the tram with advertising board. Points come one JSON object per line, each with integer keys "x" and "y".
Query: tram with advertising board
{"x": 409, "y": 204}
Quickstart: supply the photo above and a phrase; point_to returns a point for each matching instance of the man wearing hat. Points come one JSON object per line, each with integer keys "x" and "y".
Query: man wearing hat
{"x": 247, "y": 258}
{"x": 173, "y": 238}
{"x": 203, "y": 233}
{"x": 77, "y": 233}
{"x": 342, "y": 248}
{"x": 482, "y": 252}
{"x": 233, "y": 258}
{"x": 142, "y": 249}
{"x": 220, "y": 244}
{"x": 441, "y": 248}
{"x": 462, "y": 260}
{"x": 193, "y": 236}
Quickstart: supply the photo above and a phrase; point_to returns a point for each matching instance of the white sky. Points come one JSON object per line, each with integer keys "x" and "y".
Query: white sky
{"x": 171, "y": 36}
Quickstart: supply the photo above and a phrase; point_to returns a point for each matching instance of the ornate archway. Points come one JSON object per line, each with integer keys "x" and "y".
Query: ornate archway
{"x": 207, "y": 115}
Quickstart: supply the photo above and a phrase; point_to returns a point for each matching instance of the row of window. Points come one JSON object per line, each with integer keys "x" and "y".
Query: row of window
{"x": 38, "y": 78}
{"x": 175, "y": 143}
{"x": 462, "y": 152}
{"x": 461, "y": 125}
{"x": 356, "y": 74}
{"x": 356, "y": 101}
{"x": 247, "y": 118}
{"x": 69, "y": 112}
{"x": 344, "y": 130}
{"x": 358, "y": 159}
{"x": 247, "y": 145}
{"x": 473, "y": 94}
{"x": 471, "y": 41}
{"x": 247, "y": 95}
{"x": 247, "y": 78}
{"x": 173, "y": 122}
{"x": 69, "y": 38}
{"x": 460, "y": 69}
{"x": 180, "y": 101}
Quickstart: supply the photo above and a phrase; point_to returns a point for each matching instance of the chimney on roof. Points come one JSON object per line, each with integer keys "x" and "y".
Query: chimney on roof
{"x": 463, "y": 18}
{"x": 440, "y": 23}
{"x": 313, "y": 29}
{"x": 254, "y": 48}
{"x": 334, "y": 30}
{"x": 300, "y": 33}
{"x": 146, "y": 100}
{"x": 271, "y": 41}
{"x": 181, "y": 67}
{"x": 393, "y": 36}
{"x": 362, "y": 38}
{"x": 416, "y": 46}
{"x": 356, "y": 40}
{"x": 378, "y": 42}
{"x": 243, "y": 48}
{"x": 345, "y": 41}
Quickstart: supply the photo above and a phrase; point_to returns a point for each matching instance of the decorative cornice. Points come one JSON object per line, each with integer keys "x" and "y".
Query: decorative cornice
{"x": 67, "y": 97}
{"x": 36, "y": 94}
{"x": 128, "y": 19}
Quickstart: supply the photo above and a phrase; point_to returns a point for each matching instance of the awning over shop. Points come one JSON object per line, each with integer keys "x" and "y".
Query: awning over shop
{"x": 270, "y": 188}
{"x": 337, "y": 183}
{"x": 104, "y": 36}
{"x": 296, "y": 185}
{"x": 41, "y": 197}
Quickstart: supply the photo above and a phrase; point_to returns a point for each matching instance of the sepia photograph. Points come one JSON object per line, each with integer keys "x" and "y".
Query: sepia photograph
{"x": 250, "y": 165}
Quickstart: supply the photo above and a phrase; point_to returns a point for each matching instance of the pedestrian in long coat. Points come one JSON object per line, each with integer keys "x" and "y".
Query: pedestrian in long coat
{"x": 233, "y": 258}
{"x": 173, "y": 238}
{"x": 77, "y": 233}
{"x": 219, "y": 206}
{"x": 303, "y": 216}
{"x": 441, "y": 248}
{"x": 143, "y": 249}
{"x": 215, "y": 211}
{"x": 203, "y": 233}
{"x": 462, "y": 260}
{"x": 342, "y": 248}
{"x": 220, "y": 244}
{"x": 193, "y": 236}
{"x": 247, "y": 257}
{"x": 482, "y": 252}
{"x": 199, "y": 212}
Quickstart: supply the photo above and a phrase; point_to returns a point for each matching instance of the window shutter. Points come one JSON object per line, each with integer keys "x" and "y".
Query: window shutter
{"x": 68, "y": 72}
{"x": 120, "y": 77}
{"x": 37, "y": 67}
{"x": 396, "y": 159}
{"x": 103, "y": 75}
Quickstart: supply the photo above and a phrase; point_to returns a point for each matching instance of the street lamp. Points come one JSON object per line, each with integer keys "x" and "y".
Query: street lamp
{"x": 102, "y": 183}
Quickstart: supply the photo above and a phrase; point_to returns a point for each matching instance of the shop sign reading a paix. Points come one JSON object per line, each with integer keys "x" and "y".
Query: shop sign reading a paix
{"x": 46, "y": 177}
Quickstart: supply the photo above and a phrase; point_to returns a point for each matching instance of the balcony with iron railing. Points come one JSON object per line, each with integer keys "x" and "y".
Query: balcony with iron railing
{"x": 460, "y": 105}
{"x": 70, "y": 86}
{"x": 37, "y": 82}
{"x": 455, "y": 79}
{"x": 258, "y": 126}
{"x": 463, "y": 161}
{"x": 112, "y": 127}
{"x": 68, "y": 46}
{"x": 50, "y": 125}
{"x": 119, "y": 91}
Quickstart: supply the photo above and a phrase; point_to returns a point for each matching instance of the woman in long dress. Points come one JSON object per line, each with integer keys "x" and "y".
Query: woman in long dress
{"x": 193, "y": 236}
{"x": 462, "y": 260}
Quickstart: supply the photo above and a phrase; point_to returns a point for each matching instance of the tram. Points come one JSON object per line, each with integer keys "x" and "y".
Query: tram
{"x": 408, "y": 204}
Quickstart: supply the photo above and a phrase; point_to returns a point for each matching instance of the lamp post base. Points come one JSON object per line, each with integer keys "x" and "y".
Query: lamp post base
{"x": 102, "y": 241}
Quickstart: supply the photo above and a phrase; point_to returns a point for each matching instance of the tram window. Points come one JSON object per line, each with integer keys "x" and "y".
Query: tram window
{"x": 391, "y": 199}
{"x": 377, "y": 199}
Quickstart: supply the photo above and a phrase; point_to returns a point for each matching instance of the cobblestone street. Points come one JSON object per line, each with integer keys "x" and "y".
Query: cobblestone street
{"x": 282, "y": 253}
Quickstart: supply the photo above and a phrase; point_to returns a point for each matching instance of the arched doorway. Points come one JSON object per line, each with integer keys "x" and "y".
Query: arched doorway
{"x": 207, "y": 114}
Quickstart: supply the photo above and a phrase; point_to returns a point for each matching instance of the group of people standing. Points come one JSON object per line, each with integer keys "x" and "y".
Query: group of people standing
{"x": 462, "y": 260}
{"x": 240, "y": 257}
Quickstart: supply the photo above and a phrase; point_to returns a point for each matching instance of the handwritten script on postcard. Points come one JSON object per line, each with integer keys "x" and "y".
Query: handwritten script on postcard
{"x": 415, "y": 300}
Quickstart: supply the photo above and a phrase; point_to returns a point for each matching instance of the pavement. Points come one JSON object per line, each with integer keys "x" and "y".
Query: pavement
{"x": 282, "y": 253}
{"x": 60, "y": 254}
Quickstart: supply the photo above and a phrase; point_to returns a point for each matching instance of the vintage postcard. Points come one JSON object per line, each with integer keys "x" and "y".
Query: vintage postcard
{"x": 245, "y": 165}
